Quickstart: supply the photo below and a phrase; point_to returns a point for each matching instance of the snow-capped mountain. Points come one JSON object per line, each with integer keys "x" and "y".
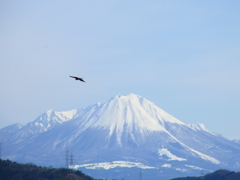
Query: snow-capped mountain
{"x": 126, "y": 131}
{"x": 43, "y": 123}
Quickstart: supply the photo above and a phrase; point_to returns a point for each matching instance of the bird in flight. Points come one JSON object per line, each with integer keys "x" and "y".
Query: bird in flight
{"x": 77, "y": 78}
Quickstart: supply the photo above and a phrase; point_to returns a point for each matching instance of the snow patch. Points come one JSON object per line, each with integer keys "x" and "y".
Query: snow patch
{"x": 171, "y": 156}
{"x": 205, "y": 157}
{"x": 113, "y": 164}
{"x": 166, "y": 165}
{"x": 194, "y": 167}
{"x": 180, "y": 169}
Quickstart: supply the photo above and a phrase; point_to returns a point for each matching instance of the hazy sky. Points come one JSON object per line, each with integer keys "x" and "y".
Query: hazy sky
{"x": 182, "y": 55}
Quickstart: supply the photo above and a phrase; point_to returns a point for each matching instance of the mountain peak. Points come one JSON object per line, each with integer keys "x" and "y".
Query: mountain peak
{"x": 199, "y": 127}
{"x": 127, "y": 114}
{"x": 127, "y": 97}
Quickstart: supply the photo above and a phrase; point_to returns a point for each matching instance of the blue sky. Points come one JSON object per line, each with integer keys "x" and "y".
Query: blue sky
{"x": 182, "y": 55}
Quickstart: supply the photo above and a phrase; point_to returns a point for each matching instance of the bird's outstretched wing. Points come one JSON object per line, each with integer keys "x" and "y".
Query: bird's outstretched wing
{"x": 73, "y": 77}
{"x": 77, "y": 78}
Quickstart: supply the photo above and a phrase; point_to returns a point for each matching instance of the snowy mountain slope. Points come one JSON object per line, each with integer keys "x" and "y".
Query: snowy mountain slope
{"x": 124, "y": 129}
{"x": 9, "y": 130}
{"x": 206, "y": 142}
{"x": 43, "y": 123}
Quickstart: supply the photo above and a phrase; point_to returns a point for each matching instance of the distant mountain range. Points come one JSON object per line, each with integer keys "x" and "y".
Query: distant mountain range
{"x": 125, "y": 134}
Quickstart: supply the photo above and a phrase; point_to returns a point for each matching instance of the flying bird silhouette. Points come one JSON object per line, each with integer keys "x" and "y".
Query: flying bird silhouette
{"x": 77, "y": 78}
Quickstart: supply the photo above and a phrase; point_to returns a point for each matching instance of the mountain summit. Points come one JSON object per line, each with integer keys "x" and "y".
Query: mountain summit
{"x": 126, "y": 131}
{"x": 130, "y": 115}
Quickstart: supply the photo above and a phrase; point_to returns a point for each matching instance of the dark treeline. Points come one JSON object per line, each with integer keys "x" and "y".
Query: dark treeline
{"x": 221, "y": 174}
{"x": 14, "y": 171}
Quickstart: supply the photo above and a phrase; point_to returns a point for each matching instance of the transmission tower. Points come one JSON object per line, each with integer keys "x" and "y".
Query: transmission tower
{"x": 66, "y": 158}
{"x": 71, "y": 159}
{"x": 202, "y": 175}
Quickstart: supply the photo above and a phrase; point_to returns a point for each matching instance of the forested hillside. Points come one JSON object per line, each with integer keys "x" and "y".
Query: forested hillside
{"x": 14, "y": 171}
{"x": 217, "y": 175}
